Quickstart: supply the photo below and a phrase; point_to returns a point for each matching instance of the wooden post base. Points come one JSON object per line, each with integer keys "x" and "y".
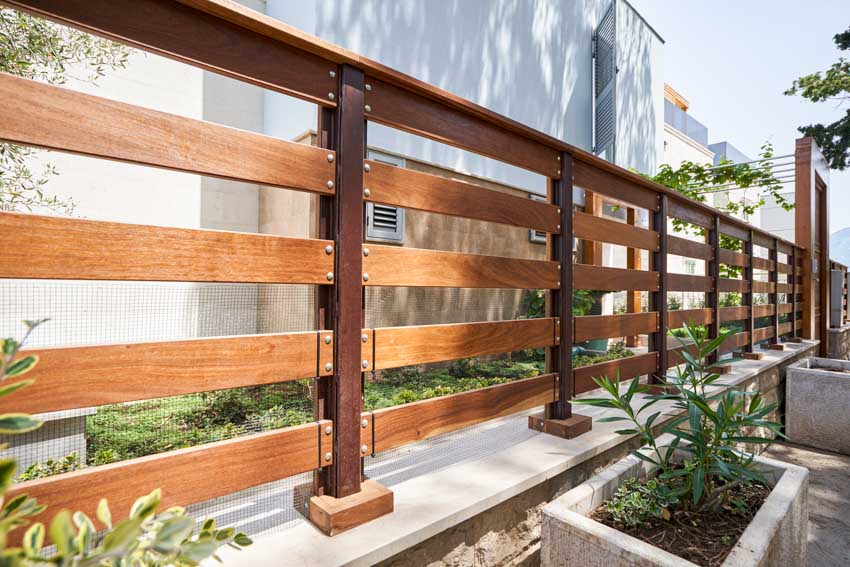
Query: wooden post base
{"x": 336, "y": 515}
{"x": 795, "y": 340}
{"x": 752, "y": 355}
{"x": 568, "y": 428}
{"x": 656, "y": 389}
{"x": 776, "y": 346}
{"x": 720, "y": 368}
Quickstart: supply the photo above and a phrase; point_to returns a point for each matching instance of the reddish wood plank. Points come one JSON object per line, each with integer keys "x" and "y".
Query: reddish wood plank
{"x": 764, "y": 310}
{"x": 763, "y": 239}
{"x": 734, "y": 313}
{"x": 393, "y": 266}
{"x": 687, "y": 211}
{"x": 762, "y": 263}
{"x": 784, "y": 268}
{"x": 626, "y": 368}
{"x": 613, "y": 279}
{"x": 728, "y": 284}
{"x": 400, "y": 425}
{"x": 613, "y": 326}
{"x": 785, "y": 328}
{"x": 403, "y": 346}
{"x": 683, "y": 282}
{"x": 734, "y": 341}
{"x": 763, "y": 287}
{"x": 605, "y": 230}
{"x": 612, "y": 185}
{"x": 416, "y": 190}
{"x": 678, "y": 318}
{"x": 763, "y": 333}
{"x": 37, "y": 114}
{"x": 732, "y": 258}
{"x": 58, "y": 248}
{"x": 784, "y": 308}
{"x": 689, "y": 248}
{"x": 735, "y": 228}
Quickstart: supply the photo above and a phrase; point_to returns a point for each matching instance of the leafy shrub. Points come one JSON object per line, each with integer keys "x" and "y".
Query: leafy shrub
{"x": 51, "y": 467}
{"x": 615, "y": 351}
{"x": 634, "y": 503}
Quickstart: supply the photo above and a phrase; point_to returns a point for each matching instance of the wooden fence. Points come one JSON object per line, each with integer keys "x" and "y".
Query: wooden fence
{"x": 221, "y": 36}
{"x": 845, "y": 289}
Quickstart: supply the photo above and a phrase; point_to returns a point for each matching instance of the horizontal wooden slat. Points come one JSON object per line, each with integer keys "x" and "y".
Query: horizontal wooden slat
{"x": 762, "y": 263}
{"x": 734, "y": 313}
{"x": 414, "y": 267}
{"x": 785, "y": 248}
{"x": 784, "y": 268}
{"x": 728, "y": 284}
{"x": 605, "y": 230}
{"x": 402, "y": 346}
{"x": 422, "y": 191}
{"x": 627, "y": 368}
{"x": 784, "y": 288}
{"x": 400, "y": 425}
{"x": 734, "y": 230}
{"x": 612, "y": 326}
{"x": 618, "y": 187}
{"x": 678, "y": 318}
{"x": 47, "y": 116}
{"x": 762, "y": 334}
{"x": 423, "y": 116}
{"x": 613, "y": 279}
{"x": 78, "y": 377}
{"x": 763, "y": 287}
{"x": 689, "y": 248}
{"x": 783, "y": 308}
{"x": 762, "y": 239}
{"x": 59, "y": 248}
{"x": 763, "y": 310}
{"x": 732, "y": 258}
{"x": 175, "y": 30}
{"x": 186, "y": 476}
{"x": 684, "y": 211}
{"x": 785, "y": 328}
{"x": 684, "y": 282}
{"x": 734, "y": 341}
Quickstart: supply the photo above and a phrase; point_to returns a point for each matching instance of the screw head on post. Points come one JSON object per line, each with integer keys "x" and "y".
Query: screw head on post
{"x": 364, "y": 424}
{"x": 330, "y": 184}
{"x": 331, "y": 96}
{"x": 364, "y": 338}
{"x": 366, "y": 192}
{"x": 365, "y": 364}
{"x": 365, "y": 277}
{"x": 367, "y": 168}
{"x": 328, "y": 456}
{"x": 330, "y": 276}
{"x": 329, "y": 249}
{"x": 365, "y": 251}
{"x": 329, "y": 367}
{"x": 330, "y": 158}
{"x": 328, "y": 339}
{"x": 363, "y": 449}
{"x": 368, "y": 108}
{"x": 328, "y": 430}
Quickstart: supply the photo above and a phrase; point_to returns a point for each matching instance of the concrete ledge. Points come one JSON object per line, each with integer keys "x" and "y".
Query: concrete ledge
{"x": 497, "y": 499}
{"x": 839, "y": 342}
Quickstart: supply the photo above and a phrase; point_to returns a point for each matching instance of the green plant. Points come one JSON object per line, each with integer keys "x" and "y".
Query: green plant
{"x": 615, "y": 351}
{"x": 674, "y": 303}
{"x": 730, "y": 299}
{"x": 534, "y": 302}
{"x": 51, "y": 467}
{"x": 145, "y": 538}
{"x": 707, "y": 431}
{"x": 634, "y": 502}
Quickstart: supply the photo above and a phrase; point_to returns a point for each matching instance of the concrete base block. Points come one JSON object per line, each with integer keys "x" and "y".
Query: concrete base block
{"x": 816, "y": 404}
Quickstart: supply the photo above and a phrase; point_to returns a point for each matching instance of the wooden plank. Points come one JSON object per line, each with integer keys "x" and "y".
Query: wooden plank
{"x": 183, "y": 475}
{"x": 734, "y": 341}
{"x": 394, "y": 266}
{"x": 762, "y": 239}
{"x": 403, "y": 346}
{"x": 689, "y": 248}
{"x": 78, "y": 377}
{"x": 785, "y": 328}
{"x": 612, "y": 185}
{"x": 732, "y": 258}
{"x": 37, "y": 114}
{"x": 763, "y": 333}
{"x": 688, "y": 212}
{"x": 405, "y": 110}
{"x": 677, "y": 319}
{"x": 734, "y": 228}
{"x": 41, "y": 247}
{"x": 762, "y": 263}
{"x": 734, "y": 313}
{"x": 783, "y": 268}
{"x": 177, "y": 31}
{"x": 425, "y": 192}
{"x": 626, "y": 368}
{"x": 613, "y": 326}
{"x": 613, "y": 279}
{"x": 783, "y": 308}
{"x": 728, "y": 284}
{"x": 763, "y": 287}
{"x": 785, "y": 247}
{"x": 684, "y": 282}
{"x": 764, "y": 310}
{"x": 605, "y": 230}
{"x": 400, "y": 425}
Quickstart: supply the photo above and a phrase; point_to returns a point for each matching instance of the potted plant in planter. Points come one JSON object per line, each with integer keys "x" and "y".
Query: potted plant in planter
{"x": 691, "y": 494}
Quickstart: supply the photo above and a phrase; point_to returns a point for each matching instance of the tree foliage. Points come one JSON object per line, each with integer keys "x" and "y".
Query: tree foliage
{"x": 37, "y": 49}
{"x": 830, "y": 85}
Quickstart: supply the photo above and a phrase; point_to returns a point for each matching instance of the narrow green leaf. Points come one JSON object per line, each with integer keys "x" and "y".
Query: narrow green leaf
{"x": 34, "y": 539}
{"x": 14, "y": 423}
{"x": 9, "y": 388}
{"x": 62, "y": 532}
{"x": 103, "y": 514}
{"x": 21, "y": 366}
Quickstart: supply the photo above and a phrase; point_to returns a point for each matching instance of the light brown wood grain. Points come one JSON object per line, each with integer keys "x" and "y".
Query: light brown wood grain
{"x": 763, "y": 310}
{"x": 600, "y": 229}
{"x": 37, "y": 114}
{"x": 400, "y": 425}
{"x": 734, "y": 228}
{"x": 689, "y": 248}
{"x": 78, "y": 377}
{"x": 393, "y": 266}
{"x": 785, "y": 328}
{"x": 732, "y": 258}
{"x": 734, "y": 313}
{"x": 625, "y": 368}
{"x": 614, "y": 326}
{"x": 689, "y": 212}
{"x": 784, "y": 268}
{"x": 618, "y": 187}
{"x": 762, "y": 263}
{"x": 613, "y": 279}
{"x": 734, "y": 341}
{"x": 763, "y": 287}
{"x": 41, "y": 247}
{"x": 186, "y": 476}
{"x": 403, "y": 346}
{"x": 425, "y": 192}
{"x": 783, "y": 308}
{"x": 763, "y": 333}
{"x": 684, "y": 282}
{"x": 678, "y": 318}
{"x": 729, "y": 284}
{"x": 763, "y": 239}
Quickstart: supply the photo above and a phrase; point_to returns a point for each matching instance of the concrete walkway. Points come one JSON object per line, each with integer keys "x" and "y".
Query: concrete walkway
{"x": 829, "y": 502}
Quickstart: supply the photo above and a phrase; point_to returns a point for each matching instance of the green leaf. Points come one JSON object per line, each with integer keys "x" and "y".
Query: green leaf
{"x": 21, "y": 366}
{"x": 9, "y": 388}
{"x": 62, "y": 532}
{"x": 612, "y": 418}
{"x": 14, "y": 423}
{"x": 103, "y": 514}
{"x": 699, "y": 483}
{"x": 123, "y": 535}
{"x": 173, "y": 532}
{"x": 242, "y": 539}
{"x": 85, "y": 531}
{"x": 197, "y": 551}
{"x": 7, "y": 474}
{"x": 146, "y": 505}
{"x": 34, "y": 539}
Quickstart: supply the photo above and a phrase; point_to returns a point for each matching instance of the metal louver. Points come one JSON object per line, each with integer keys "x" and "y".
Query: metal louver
{"x": 384, "y": 222}
{"x": 605, "y": 83}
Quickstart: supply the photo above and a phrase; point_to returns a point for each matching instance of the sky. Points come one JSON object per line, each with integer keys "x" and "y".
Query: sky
{"x": 732, "y": 60}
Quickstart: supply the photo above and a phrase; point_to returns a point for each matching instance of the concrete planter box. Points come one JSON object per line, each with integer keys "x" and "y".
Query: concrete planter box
{"x": 816, "y": 402}
{"x": 777, "y": 534}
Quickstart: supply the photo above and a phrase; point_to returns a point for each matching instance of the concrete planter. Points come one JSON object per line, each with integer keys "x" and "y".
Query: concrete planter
{"x": 816, "y": 402}
{"x": 777, "y": 534}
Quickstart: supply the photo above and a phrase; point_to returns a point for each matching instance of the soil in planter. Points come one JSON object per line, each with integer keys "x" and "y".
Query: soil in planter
{"x": 706, "y": 538}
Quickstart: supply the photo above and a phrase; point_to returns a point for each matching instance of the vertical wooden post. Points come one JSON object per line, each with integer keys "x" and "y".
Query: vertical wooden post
{"x": 713, "y": 297}
{"x": 633, "y": 262}
{"x": 592, "y": 248}
{"x": 749, "y": 298}
{"x": 658, "y": 299}
{"x": 773, "y": 277}
{"x": 794, "y": 278}
{"x": 559, "y": 419}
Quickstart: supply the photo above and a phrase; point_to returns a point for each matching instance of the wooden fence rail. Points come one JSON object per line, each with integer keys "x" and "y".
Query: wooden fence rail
{"x": 224, "y": 37}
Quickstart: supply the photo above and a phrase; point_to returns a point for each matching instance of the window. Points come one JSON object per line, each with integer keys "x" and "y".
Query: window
{"x": 385, "y": 223}
{"x": 690, "y": 267}
{"x": 537, "y": 236}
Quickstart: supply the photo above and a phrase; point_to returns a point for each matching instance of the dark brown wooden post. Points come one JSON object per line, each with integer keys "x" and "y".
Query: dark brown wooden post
{"x": 773, "y": 277}
{"x": 713, "y": 297}
{"x": 559, "y": 419}
{"x": 794, "y": 277}
{"x": 658, "y": 299}
{"x": 749, "y": 298}
{"x": 633, "y": 262}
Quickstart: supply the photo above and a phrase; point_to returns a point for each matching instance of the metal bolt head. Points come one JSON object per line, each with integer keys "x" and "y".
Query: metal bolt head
{"x": 330, "y": 276}
{"x": 364, "y": 424}
{"x": 330, "y": 158}
{"x": 328, "y": 456}
{"x": 559, "y": 227}
{"x": 365, "y": 277}
{"x": 329, "y": 249}
{"x": 364, "y": 338}
{"x": 364, "y": 448}
{"x": 559, "y": 172}
{"x": 328, "y": 430}
{"x": 368, "y": 87}
{"x": 366, "y": 192}
{"x": 330, "y": 184}
{"x": 559, "y": 158}
{"x": 328, "y": 340}
{"x": 365, "y": 364}
{"x": 367, "y": 168}
{"x": 365, "y": 251}
{"x": 559, "y": 210}
{"x": 329, "y": 367}
{"x": 333, "y": 74}
{"x": 368, "y": 108}
{"x": 331, "y": 96}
